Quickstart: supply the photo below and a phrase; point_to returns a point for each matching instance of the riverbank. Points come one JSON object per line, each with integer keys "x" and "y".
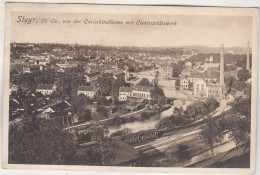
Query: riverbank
{"x": 135, "y": 123}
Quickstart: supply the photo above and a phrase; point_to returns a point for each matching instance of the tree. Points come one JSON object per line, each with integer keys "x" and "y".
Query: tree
{"x": 177, "y": 68}
{"x": 177, "y": 84}
{"x": 243, "y": 74}
{"x": 84, "y": 114}
{"x": 144, "y": 82}
{"x": 75, "y": 83}
{"x": 116, "y": 84}
{"x": 211, "y": 133}
{"x": 37, "y": 141}
{"x": 105, "y": 84}
{"x": 157, "y": 92}
{"x": 239, "y": 121}
{"x": 211, "y": 104}
{"x": 64, "y": 83}
{"x": 108, "y": 149}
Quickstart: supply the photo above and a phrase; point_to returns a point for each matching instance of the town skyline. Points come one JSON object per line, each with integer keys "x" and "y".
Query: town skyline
{"x": 130, "y": 86}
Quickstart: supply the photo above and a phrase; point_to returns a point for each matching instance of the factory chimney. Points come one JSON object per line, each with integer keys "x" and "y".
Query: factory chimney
{"x": 116, "y": 65}
{"x": 222, "y": 65}
{"x": 247, "y": 57}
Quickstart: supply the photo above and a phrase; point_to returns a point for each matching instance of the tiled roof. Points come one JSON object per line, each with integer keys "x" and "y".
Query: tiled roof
{"x": 45, "y": 86}
{"x": 125, "y": 89}
{"x": 204, "y": 75}
{"x": 85, "y": 88}
{"x": 143, "y": 88}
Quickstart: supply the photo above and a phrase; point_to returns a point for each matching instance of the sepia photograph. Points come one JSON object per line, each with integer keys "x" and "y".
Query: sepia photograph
{"x": 130, "y": 88}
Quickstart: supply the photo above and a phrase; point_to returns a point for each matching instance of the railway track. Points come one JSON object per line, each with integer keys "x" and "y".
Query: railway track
{"x": 165, "y": 142}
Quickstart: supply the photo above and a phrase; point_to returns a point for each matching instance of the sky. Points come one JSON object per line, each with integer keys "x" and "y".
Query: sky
{"x": 211, "y": 31}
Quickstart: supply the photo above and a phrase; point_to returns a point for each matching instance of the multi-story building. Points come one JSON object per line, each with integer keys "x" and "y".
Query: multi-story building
{"x": 124, "y": 93}
{"x": 67, "y": 64}
{"x": 31, "y": 69}
{"x": 199, "y": 88}
{"x": 87, "y": 91}
{"x": 143, "y": 92}
{"x": 165, "y": 72}
{"x": 45, "y": 89}
{"x": 185, "y": 83}
{"x": 203, "y": 88}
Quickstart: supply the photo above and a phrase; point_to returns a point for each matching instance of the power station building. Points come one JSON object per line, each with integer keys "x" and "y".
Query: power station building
{"x": 204, "y": 89}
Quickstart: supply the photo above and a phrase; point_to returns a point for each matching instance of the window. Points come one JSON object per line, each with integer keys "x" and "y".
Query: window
{"x": 202, "y": 87}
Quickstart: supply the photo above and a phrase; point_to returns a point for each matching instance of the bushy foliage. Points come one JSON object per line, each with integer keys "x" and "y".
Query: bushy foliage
{"x": 177, "y": 68}
{"x": 193, "y": 112}
{"x": 238, "y": 121}
{"x": 201, "y": 108}
{"x": 145, "y": 82}
{"x": 37, "y": 141}
{"x": 243, "y": 74}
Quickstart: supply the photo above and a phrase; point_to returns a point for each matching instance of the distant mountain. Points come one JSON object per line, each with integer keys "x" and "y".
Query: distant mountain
{"x": 203, "y": 49}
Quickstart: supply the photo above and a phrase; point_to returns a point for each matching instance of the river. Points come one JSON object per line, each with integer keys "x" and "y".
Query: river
{"x": 170, "y": 91}
{"x": 149, "y": 123}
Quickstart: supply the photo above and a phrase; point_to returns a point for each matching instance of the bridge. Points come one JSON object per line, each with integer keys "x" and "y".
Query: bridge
{"x": 86, "y": 124}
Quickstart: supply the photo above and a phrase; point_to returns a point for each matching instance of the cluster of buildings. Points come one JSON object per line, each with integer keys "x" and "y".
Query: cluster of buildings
{"x": 166, "y": 71}
{"x": 186, "y": 54}
{"x": 206, "y": 80}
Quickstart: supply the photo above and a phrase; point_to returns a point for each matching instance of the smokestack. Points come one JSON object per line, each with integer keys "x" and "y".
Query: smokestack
{"x": 222, "y": 65}
{"x": 247, "y": 57}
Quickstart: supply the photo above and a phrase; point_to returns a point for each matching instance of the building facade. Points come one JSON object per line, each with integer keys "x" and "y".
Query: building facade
{"x": 165, "y": 72}
{"x": 185, "y": 83}
{"x": 87, "y": 91}
{"x": 199, "y": 88}
{"x": 45, "y": 89}
{"x": 125, "y": 92}
{"x": 143, "y": 92}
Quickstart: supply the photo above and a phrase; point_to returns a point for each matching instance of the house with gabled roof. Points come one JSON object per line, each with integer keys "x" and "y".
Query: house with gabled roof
{"x": 88, "y": 91}
{"x": 92, "y": 76}
{"x": 45, "y": 89}
{"x": 56, "y": 110}
{"x": 13, "y": 88}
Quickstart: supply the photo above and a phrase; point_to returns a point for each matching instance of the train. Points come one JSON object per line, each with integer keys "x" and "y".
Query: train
{"x": 142, "y": 136}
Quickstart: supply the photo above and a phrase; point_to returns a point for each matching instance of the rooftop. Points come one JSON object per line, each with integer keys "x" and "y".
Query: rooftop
{"x": 85, "y": 88}
{"x": 125, "y": 89}
{"x": 45, "y": 86}
{"x": 143, "y": 88}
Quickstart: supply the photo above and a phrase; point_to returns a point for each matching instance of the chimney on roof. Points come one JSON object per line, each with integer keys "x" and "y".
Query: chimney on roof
{"x": 247, "y": 57}
{"x": 222, "y": 65}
